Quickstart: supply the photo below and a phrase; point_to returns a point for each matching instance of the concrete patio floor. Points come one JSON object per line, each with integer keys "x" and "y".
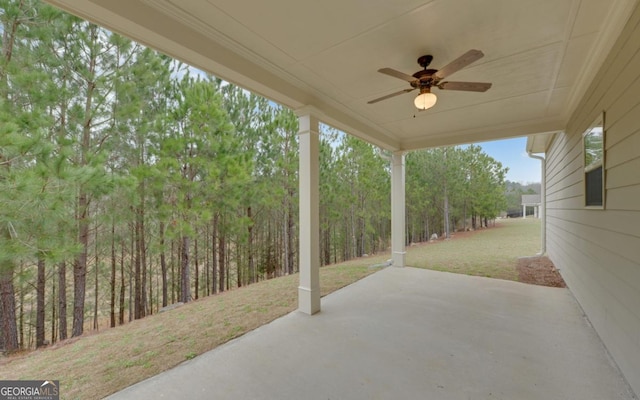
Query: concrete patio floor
{"x": 406, "y": 333}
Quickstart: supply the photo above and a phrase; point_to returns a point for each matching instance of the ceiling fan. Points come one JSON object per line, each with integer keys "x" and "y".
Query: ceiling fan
{"x": 428, "y": 78}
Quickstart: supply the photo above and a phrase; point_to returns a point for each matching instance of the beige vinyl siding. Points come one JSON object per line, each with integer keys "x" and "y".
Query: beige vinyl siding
{"x": 598, "y": 251}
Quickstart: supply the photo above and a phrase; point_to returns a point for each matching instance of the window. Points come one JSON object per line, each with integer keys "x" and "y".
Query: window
{"x": 593, "y": 145}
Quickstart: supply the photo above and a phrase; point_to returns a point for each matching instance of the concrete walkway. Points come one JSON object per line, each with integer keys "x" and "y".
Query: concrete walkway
{"x": 406, "y": 333}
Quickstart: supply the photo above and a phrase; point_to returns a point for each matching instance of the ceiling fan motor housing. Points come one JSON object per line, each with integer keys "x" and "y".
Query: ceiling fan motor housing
{"x": 424, "y": 77}
{"x": 424, "y": 61}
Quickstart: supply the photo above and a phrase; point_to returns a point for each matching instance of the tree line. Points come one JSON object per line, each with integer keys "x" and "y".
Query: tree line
{"x": 129, "y": 181}
{"x": 452, "y": 188}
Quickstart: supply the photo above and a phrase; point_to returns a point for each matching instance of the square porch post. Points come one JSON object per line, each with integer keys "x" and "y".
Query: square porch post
{"x": 398, "y": 249}
{"x": 309, "y": 141}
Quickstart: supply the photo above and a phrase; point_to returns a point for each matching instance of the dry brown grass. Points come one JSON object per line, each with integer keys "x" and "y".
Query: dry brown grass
{"x": 99, "y": 364}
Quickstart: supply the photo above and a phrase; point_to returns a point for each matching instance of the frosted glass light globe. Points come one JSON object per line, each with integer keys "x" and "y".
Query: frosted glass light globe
{"x": 425, "y": 101}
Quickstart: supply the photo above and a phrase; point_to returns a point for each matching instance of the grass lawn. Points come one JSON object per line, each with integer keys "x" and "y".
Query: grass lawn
{"x": 99, "y": 364}
{"x": 489, "y": 252}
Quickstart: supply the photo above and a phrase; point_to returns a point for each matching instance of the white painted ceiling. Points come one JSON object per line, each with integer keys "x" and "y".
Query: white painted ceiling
{"x": 540, "y": 56}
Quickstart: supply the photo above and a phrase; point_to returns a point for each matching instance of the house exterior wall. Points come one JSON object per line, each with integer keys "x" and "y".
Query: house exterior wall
{"x": 598, "y": 250}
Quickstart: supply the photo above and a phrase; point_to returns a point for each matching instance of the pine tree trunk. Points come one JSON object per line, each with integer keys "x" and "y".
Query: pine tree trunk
{"x": 62, "y": 267}
{"x": 53, "y": 311}
{"x": 446, "y": 214}
{"x": 9, "y": 329}
{"x": 131, "y": 274}
{"x": 290, "y": 235}
{"x": 228, "y": 265}
{"x": 327, "y": 245}
{"x": 335, "y": 246}
{"x": 163, "y": 266}
{"x": 149, "y": 302}
{"x": 21, "y": 312}
{"x": 80, "y": 268}
{"x": 122, "y": 285}
{"x": 112, "y": 282}
{"x": 205, "y": 273}
{"x": 283, "y": 250}
{"x": 143, "y": 260}
{"x": 207, "y": 263}
{"x": 173, "y": 273}
{"x": 8, "y": 306}
{"x": 1, "y": 330}
{"x": 214, "y": 259}
{"x": 185, "y": 290}
{"x": 80, "y": 264}
{"x": 239, "y": 275}
{"x": 427, "y": 228}
{"x": 464, "y": 216}
{"x": 447, "y": 233}
{"x": 137, "y": 277}
{"x": 178, "y": 281}
{"x": 195, "y": 259}
{"x": 62, "y": 300}
{"x": 363, "y": 238}
{"x": 250, "y": 257}
{"x": 40, "y": 285}
{"x": 95, "y": 288}
{"x": 221, "y": 262}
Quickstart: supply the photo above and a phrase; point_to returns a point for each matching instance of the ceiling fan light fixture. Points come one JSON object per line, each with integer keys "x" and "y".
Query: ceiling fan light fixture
{"x": 425, "y": 99}
{"x": 427, "y": 78}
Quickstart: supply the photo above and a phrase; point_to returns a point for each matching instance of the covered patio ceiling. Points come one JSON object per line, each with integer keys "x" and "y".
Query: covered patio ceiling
{"x": 540, "y": 56}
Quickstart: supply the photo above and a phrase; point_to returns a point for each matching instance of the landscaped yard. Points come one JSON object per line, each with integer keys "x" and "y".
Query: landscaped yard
{"x": 96, "y": 365}
{"x": 492, "y": 252}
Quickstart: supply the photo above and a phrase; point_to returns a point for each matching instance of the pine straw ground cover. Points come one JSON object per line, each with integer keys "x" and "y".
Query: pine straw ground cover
{"x": 98, "y": 364}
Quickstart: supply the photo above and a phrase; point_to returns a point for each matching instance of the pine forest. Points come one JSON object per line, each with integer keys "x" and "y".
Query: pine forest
{"x": 130, "y": 181}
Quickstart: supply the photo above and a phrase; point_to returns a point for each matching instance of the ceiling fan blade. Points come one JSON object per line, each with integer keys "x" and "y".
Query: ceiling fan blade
{"x": 459, "y": 63}
{"x": 389, "y": 96}
{"x": 397, "y": 74}
{"x": 467, "y": 86}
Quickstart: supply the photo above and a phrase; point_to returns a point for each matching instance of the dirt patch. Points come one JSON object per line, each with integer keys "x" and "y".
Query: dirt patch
{"x": 539, "y": 271}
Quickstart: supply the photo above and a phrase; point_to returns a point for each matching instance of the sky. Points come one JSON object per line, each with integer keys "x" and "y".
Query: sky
{"x": 512, "y": 153}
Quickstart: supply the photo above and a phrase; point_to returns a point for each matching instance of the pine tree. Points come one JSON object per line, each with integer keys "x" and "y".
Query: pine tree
{"x": 33, "y": 173}
{"x": 203, "y": 168}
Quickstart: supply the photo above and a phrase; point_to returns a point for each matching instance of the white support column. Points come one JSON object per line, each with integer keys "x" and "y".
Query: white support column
{"x": 524, "y": 211}
{"x": 398, "y": 215}
{"x": 309, "y": 289}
